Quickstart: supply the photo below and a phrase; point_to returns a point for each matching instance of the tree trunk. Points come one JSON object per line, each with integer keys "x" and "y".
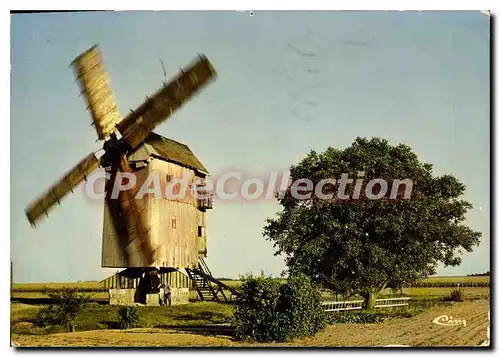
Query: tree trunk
{"x": 71, "y": 325}
{"x": 369, "y": 300}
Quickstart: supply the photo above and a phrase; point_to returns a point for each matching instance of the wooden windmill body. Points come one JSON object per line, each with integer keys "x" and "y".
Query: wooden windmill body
{"x": 150, "y": 234}
{"x": 176, "y": 225}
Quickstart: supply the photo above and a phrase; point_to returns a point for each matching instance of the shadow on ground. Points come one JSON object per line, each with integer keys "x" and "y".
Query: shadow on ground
{"x": 112, "y": 325}
{"x": 46, "y": 301}
{"x": 204, "y": 330}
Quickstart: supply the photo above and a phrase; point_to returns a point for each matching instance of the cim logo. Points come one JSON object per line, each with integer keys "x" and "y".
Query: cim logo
{"x": 445, "y": 320}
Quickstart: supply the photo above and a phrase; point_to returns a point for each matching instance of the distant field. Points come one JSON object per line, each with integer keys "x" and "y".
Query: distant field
{"x": 452, "y": 281}
{"x": 470, "y": 293}
{"x": 27, "y": 296}
{"x": 39, "y": 287}
{"x": 419, "y": 294}
{"x": 438, "y": 281}
{"x": 458, "y": 279}
{"x": 95, "y": 286}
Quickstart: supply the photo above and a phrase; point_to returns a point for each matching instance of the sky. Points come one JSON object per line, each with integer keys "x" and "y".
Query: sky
{"x": 419, "y": 78}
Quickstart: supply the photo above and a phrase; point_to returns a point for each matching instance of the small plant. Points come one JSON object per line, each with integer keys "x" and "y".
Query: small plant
{"x": 68, "y": 303}
{"x": 355, "y": 318}
{"x": 456, "y": 295}
{"x": 128, "y": 316}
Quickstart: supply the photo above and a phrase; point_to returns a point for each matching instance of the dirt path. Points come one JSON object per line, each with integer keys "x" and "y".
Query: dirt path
{"x": 416, "y": 331}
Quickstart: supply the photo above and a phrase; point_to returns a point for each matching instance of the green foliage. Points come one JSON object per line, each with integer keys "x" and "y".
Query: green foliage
{"x": 68, "y": 303}
{"x": 272, "y": 310}
{"x": 49, "y": 316}
{"x": 360, "y": 247}
{"x": 355, "y": 318}
{"x": 128, "y": 316}
{"x": 456, "y": 295}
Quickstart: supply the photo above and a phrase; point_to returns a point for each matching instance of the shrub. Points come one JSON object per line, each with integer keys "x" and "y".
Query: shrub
{"x": 456, "y": 295}
{"x": 128, "y": 316}
{"x": 49, "y": 316}
{"x": 272, "y": 310}
{"x": 68, "y": 304}
{"x": 355, "y": 318}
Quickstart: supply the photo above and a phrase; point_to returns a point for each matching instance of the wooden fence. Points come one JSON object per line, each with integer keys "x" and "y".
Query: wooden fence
{"x": 342, "y": 305}
{"x": 330, "y": 306}
{"x": 403, "y": 301}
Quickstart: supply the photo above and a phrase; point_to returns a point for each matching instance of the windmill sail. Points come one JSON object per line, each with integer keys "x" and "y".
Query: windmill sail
{"x": 54, "y": 195}
{"x": 135, "y": 217}
{"x": 129, "y": 216}
{"x": 140, "y": 122}
{"x": 94, "y": 83}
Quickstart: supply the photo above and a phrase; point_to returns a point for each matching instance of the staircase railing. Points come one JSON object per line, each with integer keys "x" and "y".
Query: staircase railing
{"x": 204, "y": 267}
{"x": 220, "y": 284}
{"x": 203, "y": 273}
{"x": 193, "y": 275}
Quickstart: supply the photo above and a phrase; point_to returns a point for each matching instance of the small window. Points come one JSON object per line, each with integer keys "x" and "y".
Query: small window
{"x": 174, "y": 222}
{"x": 169, "y": 178}
{"x": 201, "y": 231}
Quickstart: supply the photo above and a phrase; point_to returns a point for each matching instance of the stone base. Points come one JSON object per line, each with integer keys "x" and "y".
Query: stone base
{"x": 125, "y": 297}
{"x": 180, "y": 296}
{"x": 121, "y": 297}
{"x": 153, "y": 299}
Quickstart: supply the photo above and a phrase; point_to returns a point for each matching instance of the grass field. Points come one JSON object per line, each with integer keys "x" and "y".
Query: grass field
{"x": 205, "y": 324}
{"x": 208, "y": 323}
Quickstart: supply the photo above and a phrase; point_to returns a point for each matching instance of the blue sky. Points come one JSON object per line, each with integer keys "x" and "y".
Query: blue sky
{"x": 417, "y": 78}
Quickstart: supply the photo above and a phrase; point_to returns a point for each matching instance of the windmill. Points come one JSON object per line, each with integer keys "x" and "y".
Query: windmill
{"x": 122, "y": 137}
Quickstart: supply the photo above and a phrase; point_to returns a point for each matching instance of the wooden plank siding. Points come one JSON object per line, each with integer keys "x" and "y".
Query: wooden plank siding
{"x": 172, "y": 222}
{"x": 201, "y": 242}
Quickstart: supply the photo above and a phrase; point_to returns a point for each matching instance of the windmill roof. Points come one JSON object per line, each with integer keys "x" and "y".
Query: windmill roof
{"x": 170, "y": 150}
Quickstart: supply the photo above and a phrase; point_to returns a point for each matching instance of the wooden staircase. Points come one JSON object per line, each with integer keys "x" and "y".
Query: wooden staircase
{"x": 209, "y": 288}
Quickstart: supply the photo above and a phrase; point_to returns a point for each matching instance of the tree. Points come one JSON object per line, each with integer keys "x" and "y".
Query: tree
{"x": 68, "y": 303}
{"x": 359, "y": 245}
